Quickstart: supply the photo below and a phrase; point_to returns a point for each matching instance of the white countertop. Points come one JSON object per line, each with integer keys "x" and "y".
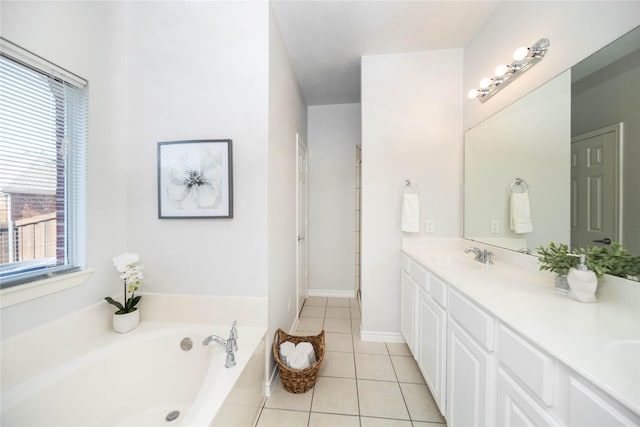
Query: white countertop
{"x": 600, "y": 341}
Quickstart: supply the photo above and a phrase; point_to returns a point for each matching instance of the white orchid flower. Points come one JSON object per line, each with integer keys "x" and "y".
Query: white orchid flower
{"x": 122, "y": 261}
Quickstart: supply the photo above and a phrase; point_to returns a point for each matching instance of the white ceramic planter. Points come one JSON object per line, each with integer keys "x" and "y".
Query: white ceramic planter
{"x": 123, "y": 323}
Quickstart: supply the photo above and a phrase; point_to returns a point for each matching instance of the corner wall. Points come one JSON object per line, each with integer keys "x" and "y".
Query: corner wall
{"x": 193, "y": 75}
{"x": 334, "y": 132}
{"x": 411, "y": 129}
{"x": 287, "y": 116}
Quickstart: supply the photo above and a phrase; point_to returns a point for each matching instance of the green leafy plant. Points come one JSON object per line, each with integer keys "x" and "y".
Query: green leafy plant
{"x": 132, "y": 278}
{"x": 614, "y": 260}
{"x": 555, "y": 258}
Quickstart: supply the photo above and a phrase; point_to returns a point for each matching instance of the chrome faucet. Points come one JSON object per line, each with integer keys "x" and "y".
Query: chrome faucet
{"x": 482, "y": 255}
{"x": 230, "y": 344}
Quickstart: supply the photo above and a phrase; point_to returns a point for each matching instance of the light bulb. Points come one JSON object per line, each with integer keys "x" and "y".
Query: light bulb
{"x": 484, "y": 83}
{"x": 501, "y": 70}
{"x": 521, "y": 53}
{"x": 473, "y": 93}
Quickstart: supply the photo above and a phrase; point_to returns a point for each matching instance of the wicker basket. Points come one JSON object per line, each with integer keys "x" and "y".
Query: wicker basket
{"x": 296, "y": 380}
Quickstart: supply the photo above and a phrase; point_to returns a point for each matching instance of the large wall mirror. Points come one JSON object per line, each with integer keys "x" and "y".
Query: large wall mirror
{"x": 571, "y": 150}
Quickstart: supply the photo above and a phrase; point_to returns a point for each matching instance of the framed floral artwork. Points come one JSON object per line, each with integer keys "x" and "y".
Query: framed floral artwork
{"x": 195, "y": 179}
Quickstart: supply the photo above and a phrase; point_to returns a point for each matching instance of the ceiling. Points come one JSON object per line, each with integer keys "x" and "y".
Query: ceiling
{"x": 325, "y": 39}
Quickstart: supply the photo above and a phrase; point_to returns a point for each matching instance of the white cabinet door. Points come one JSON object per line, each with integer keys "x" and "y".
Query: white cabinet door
{"x": 408, "y": 297}
{"x": 590, "y": 408}
{"x": 469, "y": 389}
{"x": 432, "y": 346}
{"x": 515, "y": 407}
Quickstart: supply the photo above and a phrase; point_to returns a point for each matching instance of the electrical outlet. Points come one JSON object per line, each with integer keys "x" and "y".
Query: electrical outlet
{"x": 495, "y": 226}
{"x": 428, "y": 225}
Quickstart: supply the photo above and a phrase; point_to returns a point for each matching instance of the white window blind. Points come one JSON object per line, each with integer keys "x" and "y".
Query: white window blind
{"x": 43, "y": 138}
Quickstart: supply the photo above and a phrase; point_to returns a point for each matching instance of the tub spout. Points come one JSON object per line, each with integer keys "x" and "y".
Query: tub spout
{"x": 214, "y": 338}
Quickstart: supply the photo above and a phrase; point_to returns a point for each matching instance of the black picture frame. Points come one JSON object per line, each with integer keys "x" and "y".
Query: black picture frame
{"x": 195, "y": 179}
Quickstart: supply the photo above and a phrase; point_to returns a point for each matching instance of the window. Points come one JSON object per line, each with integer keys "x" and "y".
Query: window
{"x": 43, "y": 138}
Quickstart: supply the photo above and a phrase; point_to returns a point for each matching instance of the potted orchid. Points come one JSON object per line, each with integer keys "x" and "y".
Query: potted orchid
{"x": 127, "y": 317}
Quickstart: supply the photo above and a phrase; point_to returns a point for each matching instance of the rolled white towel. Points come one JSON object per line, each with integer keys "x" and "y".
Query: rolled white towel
{"x": 307, "y": 347}
{"x": 299, "y": 360}
{"x": 286, "y": 350}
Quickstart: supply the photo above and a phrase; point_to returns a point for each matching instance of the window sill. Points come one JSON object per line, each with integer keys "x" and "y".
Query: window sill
{"x": 39, "y": 288}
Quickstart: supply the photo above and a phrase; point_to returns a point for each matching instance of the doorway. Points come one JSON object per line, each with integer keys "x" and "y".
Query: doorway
{"x": 596, "y": 186}
{"x": 301, "y": 222}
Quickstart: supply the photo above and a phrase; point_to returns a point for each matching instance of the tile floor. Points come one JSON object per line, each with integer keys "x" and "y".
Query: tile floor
{"x": 360, "y": 383}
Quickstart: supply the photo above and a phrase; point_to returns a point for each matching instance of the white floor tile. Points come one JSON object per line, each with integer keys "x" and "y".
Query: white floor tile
{"x": 337, "y": 325}
{"x": 407, "y": 370}
{"x": 279, "y": 418}
{"x": 337, "y": 364}
{"x": 381, "y": 399}
{"x": 333, "y": 420}
{"x": 338, "y": 302}
{"x": 335, "y": 395}
{"x": 282, "y": 399}
{"x": 420, "y": 403}
{"x": 374, "y": 367}
{"x": 338, "y": 342}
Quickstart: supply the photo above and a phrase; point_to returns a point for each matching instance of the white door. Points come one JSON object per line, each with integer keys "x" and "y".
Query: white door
{"x": 432, "y": 353}
{"x": 467, "y": 380}
{"x": 595, "y": 187}
{"x": 302, "y": 222}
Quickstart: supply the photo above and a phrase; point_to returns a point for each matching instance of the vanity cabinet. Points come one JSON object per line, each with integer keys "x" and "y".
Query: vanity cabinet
{"x": 423, "y": 324}
{"x": 483, "y": 372}
{"x": 470, "y": 363}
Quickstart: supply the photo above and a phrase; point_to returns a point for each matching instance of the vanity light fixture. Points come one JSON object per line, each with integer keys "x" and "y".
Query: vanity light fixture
{"x": 523, "y": 59}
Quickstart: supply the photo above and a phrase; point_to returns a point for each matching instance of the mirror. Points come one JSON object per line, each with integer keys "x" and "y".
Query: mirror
{"x": 542, "y": 144}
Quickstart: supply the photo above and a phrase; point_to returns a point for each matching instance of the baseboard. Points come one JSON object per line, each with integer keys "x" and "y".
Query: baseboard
{"x": 381, "y": 336}
{"x": 330, "y": 293}
{"x": 272, "y": 380}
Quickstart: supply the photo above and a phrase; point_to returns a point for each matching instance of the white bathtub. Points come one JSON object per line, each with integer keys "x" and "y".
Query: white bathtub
{"x": 138, "y": 378}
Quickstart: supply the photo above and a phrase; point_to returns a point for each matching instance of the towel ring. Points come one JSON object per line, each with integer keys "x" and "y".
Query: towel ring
{"x": 519, "y": 182}
{"x": 408, "y": 185}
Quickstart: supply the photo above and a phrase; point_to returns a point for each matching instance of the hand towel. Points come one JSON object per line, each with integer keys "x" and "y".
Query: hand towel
{"x": 299, "y": 359}
{"x": 520, "y": 209}
{"x": 410, "y": 215}
{"x": 286, "y": 350}
{"x": 307, "y": 347}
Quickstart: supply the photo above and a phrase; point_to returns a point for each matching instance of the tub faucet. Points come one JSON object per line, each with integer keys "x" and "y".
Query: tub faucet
{"x": 230, "y": 344}
{"x": 482, "y": 255}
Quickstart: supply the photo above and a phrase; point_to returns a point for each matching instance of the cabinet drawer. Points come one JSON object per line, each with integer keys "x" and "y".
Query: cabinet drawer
{"x": 533, "y": 368}
{"x": 473, "y": 319}
{"x": 418, "y": 274}
{"x": 438, "y": 290}
{"x": 516, "y": 408}
{"x": 588, "y": 407}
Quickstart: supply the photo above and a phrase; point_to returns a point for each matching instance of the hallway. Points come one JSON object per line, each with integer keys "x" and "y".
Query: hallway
{"x": 359, "y": 384}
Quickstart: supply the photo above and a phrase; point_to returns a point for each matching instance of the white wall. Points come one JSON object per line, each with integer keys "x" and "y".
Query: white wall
{"x": 575, "y": 29}
{"x": 334, "y": 131}
{"x": 199, "y": 70}
{"x": 411, "y": 129}
{"x": 287, "y": 116}
{"x": 80, "y": 37}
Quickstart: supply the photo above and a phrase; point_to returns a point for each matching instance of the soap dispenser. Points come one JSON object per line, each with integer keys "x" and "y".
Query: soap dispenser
{"x": 582, "y": 281}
